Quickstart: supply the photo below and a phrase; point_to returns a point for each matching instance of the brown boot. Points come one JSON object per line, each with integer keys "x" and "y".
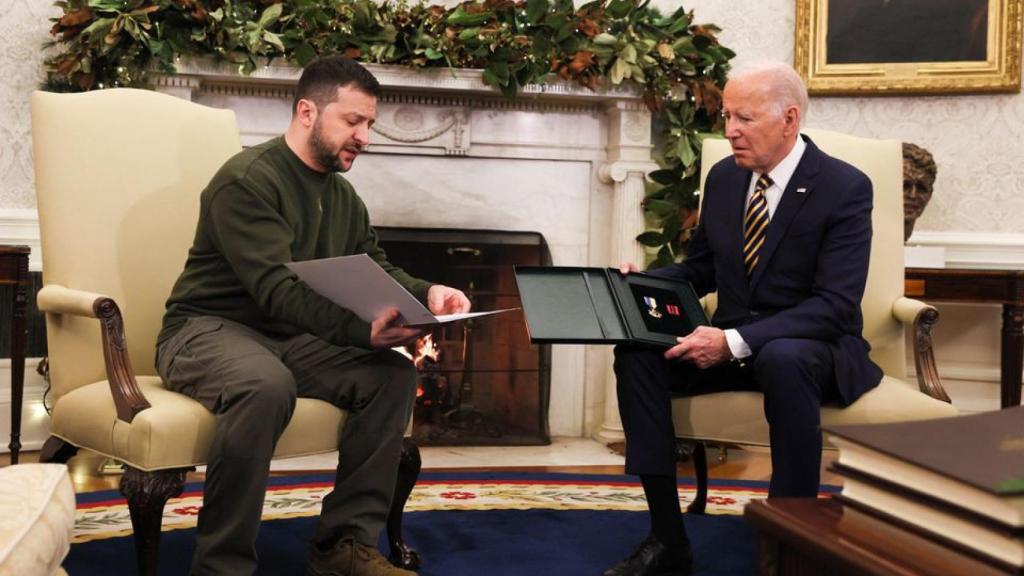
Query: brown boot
{"x": 350, "y": 558}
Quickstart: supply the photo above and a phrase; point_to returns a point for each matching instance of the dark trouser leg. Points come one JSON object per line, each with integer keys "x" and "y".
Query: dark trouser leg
{"x": 378, "y": 389}
{"x": 643, "y": 381}
{"x": 645, "y": 385}
{"x": 795, "y": 375}
{"x": 235, "y": 373}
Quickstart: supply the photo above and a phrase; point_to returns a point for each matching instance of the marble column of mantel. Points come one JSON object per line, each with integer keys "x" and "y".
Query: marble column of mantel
{"x": 588, "y": 208}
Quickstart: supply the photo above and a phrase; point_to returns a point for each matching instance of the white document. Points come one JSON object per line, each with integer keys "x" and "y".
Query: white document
{"x": 358, "y": 284}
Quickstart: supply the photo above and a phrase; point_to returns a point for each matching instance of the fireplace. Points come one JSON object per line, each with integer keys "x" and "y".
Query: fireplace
{"x": 481, "y": 381}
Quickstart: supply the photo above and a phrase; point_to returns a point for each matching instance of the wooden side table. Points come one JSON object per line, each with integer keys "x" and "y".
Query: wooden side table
{"x": 804, "y": 536}
{"x": 14, "y": 272}
{"x": 1004, "y": 287}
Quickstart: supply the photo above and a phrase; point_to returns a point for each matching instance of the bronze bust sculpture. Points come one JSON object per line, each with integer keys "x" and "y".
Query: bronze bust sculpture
{"x": 918, "y": 179}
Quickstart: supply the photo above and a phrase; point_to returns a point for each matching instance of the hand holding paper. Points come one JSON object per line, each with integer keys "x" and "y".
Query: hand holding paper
{"x": 386, "y": 331}
{"x": 447, "y": 300}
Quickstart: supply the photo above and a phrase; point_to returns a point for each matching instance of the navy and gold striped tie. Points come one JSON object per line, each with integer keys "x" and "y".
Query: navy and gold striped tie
{"x": 755, "y": 223}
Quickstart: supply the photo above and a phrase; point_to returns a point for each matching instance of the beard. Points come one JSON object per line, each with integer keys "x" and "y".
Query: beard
{"x": 324, "y": 155}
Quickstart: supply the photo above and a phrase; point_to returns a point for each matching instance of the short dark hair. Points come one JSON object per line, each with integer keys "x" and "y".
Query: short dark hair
{"x": 321, "y": 79}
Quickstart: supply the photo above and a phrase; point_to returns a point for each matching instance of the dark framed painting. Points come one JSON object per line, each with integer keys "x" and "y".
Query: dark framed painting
{"x": 857, "y": 47}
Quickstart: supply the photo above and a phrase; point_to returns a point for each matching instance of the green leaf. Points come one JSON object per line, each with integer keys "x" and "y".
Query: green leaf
{"x": 685, "y": 151}
{"x": 132, "y": 28}
{"x": 99, "y": 27}
{"x": 535, "y": 10}
{"x": 498, "y": 70}
{"x": 661, "y": 208}
{"x": 462, "y": 18}
{"x": 685, "y": 67}
{"x": 618, "y": 71}
{"x": 490, "y": 79}
{"x": 270, "y": 15}
{"x": 679, "y": 25}
{"x": 563, "y": 33}
{"x": 637, "y": 74}
{"x": 665, "y": 177}
{"x": 671, "y": 227}
{"x": 433, "y": 54}
{"x": 469, "y": 34}
{"x": 618, "y": 8}
{"x": 511, "y": 89}
{"x": 628, "y": 54}
{"x": 650, "y": 238}
{"x": 605, "y": 39}
{"x": 664, "y": 258}
{"x": 684, "y": 45}
{"x": 274, "y": 40}
{"x": 304, "y": 54}
{"x": 106, "y": 5}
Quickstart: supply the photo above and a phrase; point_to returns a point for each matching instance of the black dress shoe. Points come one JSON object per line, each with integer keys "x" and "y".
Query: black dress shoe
{"x": 652, "y": 558}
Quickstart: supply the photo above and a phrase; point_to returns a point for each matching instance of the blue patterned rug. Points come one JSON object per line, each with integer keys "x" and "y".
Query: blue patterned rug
{"x": 461, "y": 523}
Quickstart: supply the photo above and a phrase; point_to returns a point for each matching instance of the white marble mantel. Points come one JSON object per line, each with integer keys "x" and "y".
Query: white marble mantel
{"x": 448, "y": 151}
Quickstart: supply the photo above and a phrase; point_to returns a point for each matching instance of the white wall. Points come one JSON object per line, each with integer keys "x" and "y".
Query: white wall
{"x": 24, "y": 27}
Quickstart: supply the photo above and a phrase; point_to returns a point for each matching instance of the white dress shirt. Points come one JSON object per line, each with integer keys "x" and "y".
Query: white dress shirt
{"x": 780, "y": 176}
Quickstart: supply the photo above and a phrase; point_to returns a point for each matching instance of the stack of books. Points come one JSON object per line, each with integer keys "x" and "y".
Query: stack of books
{"x": 958, "y": 481}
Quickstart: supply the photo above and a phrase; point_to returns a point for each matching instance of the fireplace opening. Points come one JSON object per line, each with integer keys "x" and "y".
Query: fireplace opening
{"x": 482, "y": 382}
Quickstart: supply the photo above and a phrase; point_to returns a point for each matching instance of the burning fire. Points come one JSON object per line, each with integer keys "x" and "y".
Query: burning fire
{"x": 425, "y": 349}
{"x": 426, "y": 352}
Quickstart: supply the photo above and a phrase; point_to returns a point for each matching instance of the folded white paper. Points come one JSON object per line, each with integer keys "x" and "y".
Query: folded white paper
{"x": 358, "y": 284}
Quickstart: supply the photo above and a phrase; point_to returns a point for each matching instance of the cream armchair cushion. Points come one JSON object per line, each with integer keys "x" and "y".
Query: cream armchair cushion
{"x": 176, "y": 431}
{"x": 37, "y": 519}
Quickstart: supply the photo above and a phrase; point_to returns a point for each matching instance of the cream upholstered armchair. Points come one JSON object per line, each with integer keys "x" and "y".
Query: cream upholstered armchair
{"x": 118, "y": 177}
{"x": 737, "y": 418}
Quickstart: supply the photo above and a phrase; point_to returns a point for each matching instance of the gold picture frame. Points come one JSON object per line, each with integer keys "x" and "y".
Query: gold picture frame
{"x": 878, "y": 47}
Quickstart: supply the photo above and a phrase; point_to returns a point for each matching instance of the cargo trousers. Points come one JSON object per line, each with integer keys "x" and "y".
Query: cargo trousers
{"x": 251, "y": 381}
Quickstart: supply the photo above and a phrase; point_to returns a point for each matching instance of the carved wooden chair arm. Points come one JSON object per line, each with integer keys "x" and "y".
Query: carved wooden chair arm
{"x": 128, "y": 397}
{"x": 922, "y": 317}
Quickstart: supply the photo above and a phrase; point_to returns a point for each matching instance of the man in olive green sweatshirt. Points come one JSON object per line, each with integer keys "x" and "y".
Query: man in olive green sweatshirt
{"x": 245, "y": 337}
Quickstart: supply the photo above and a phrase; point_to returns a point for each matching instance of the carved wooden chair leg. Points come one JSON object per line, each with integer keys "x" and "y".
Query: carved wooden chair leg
{"x": 687, "y": 450}
{"x": 408, "y": 472}
{"x": 147, "y": 492}
{"x": 700, "y": 467}
{"x": 56, "y": 451}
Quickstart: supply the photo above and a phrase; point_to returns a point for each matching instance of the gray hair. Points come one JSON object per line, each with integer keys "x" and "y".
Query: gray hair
{"x": 786, "y": 87}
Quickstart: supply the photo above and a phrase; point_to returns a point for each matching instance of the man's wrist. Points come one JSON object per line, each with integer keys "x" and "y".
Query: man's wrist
{"x": 737, "y": 346}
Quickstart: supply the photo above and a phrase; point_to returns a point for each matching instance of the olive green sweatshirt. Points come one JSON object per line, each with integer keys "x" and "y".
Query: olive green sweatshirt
{"x": 262, "y": 209}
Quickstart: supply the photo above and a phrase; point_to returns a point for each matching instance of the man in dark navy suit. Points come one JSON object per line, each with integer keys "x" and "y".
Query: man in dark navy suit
{"x": 784, "y": 238}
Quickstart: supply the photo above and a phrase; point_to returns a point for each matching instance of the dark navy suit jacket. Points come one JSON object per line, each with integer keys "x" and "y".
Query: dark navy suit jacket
{"x": 812, "y": 268}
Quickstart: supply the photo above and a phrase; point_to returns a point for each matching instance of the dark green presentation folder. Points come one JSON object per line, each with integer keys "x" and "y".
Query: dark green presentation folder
{"x": 569, "y": 305}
